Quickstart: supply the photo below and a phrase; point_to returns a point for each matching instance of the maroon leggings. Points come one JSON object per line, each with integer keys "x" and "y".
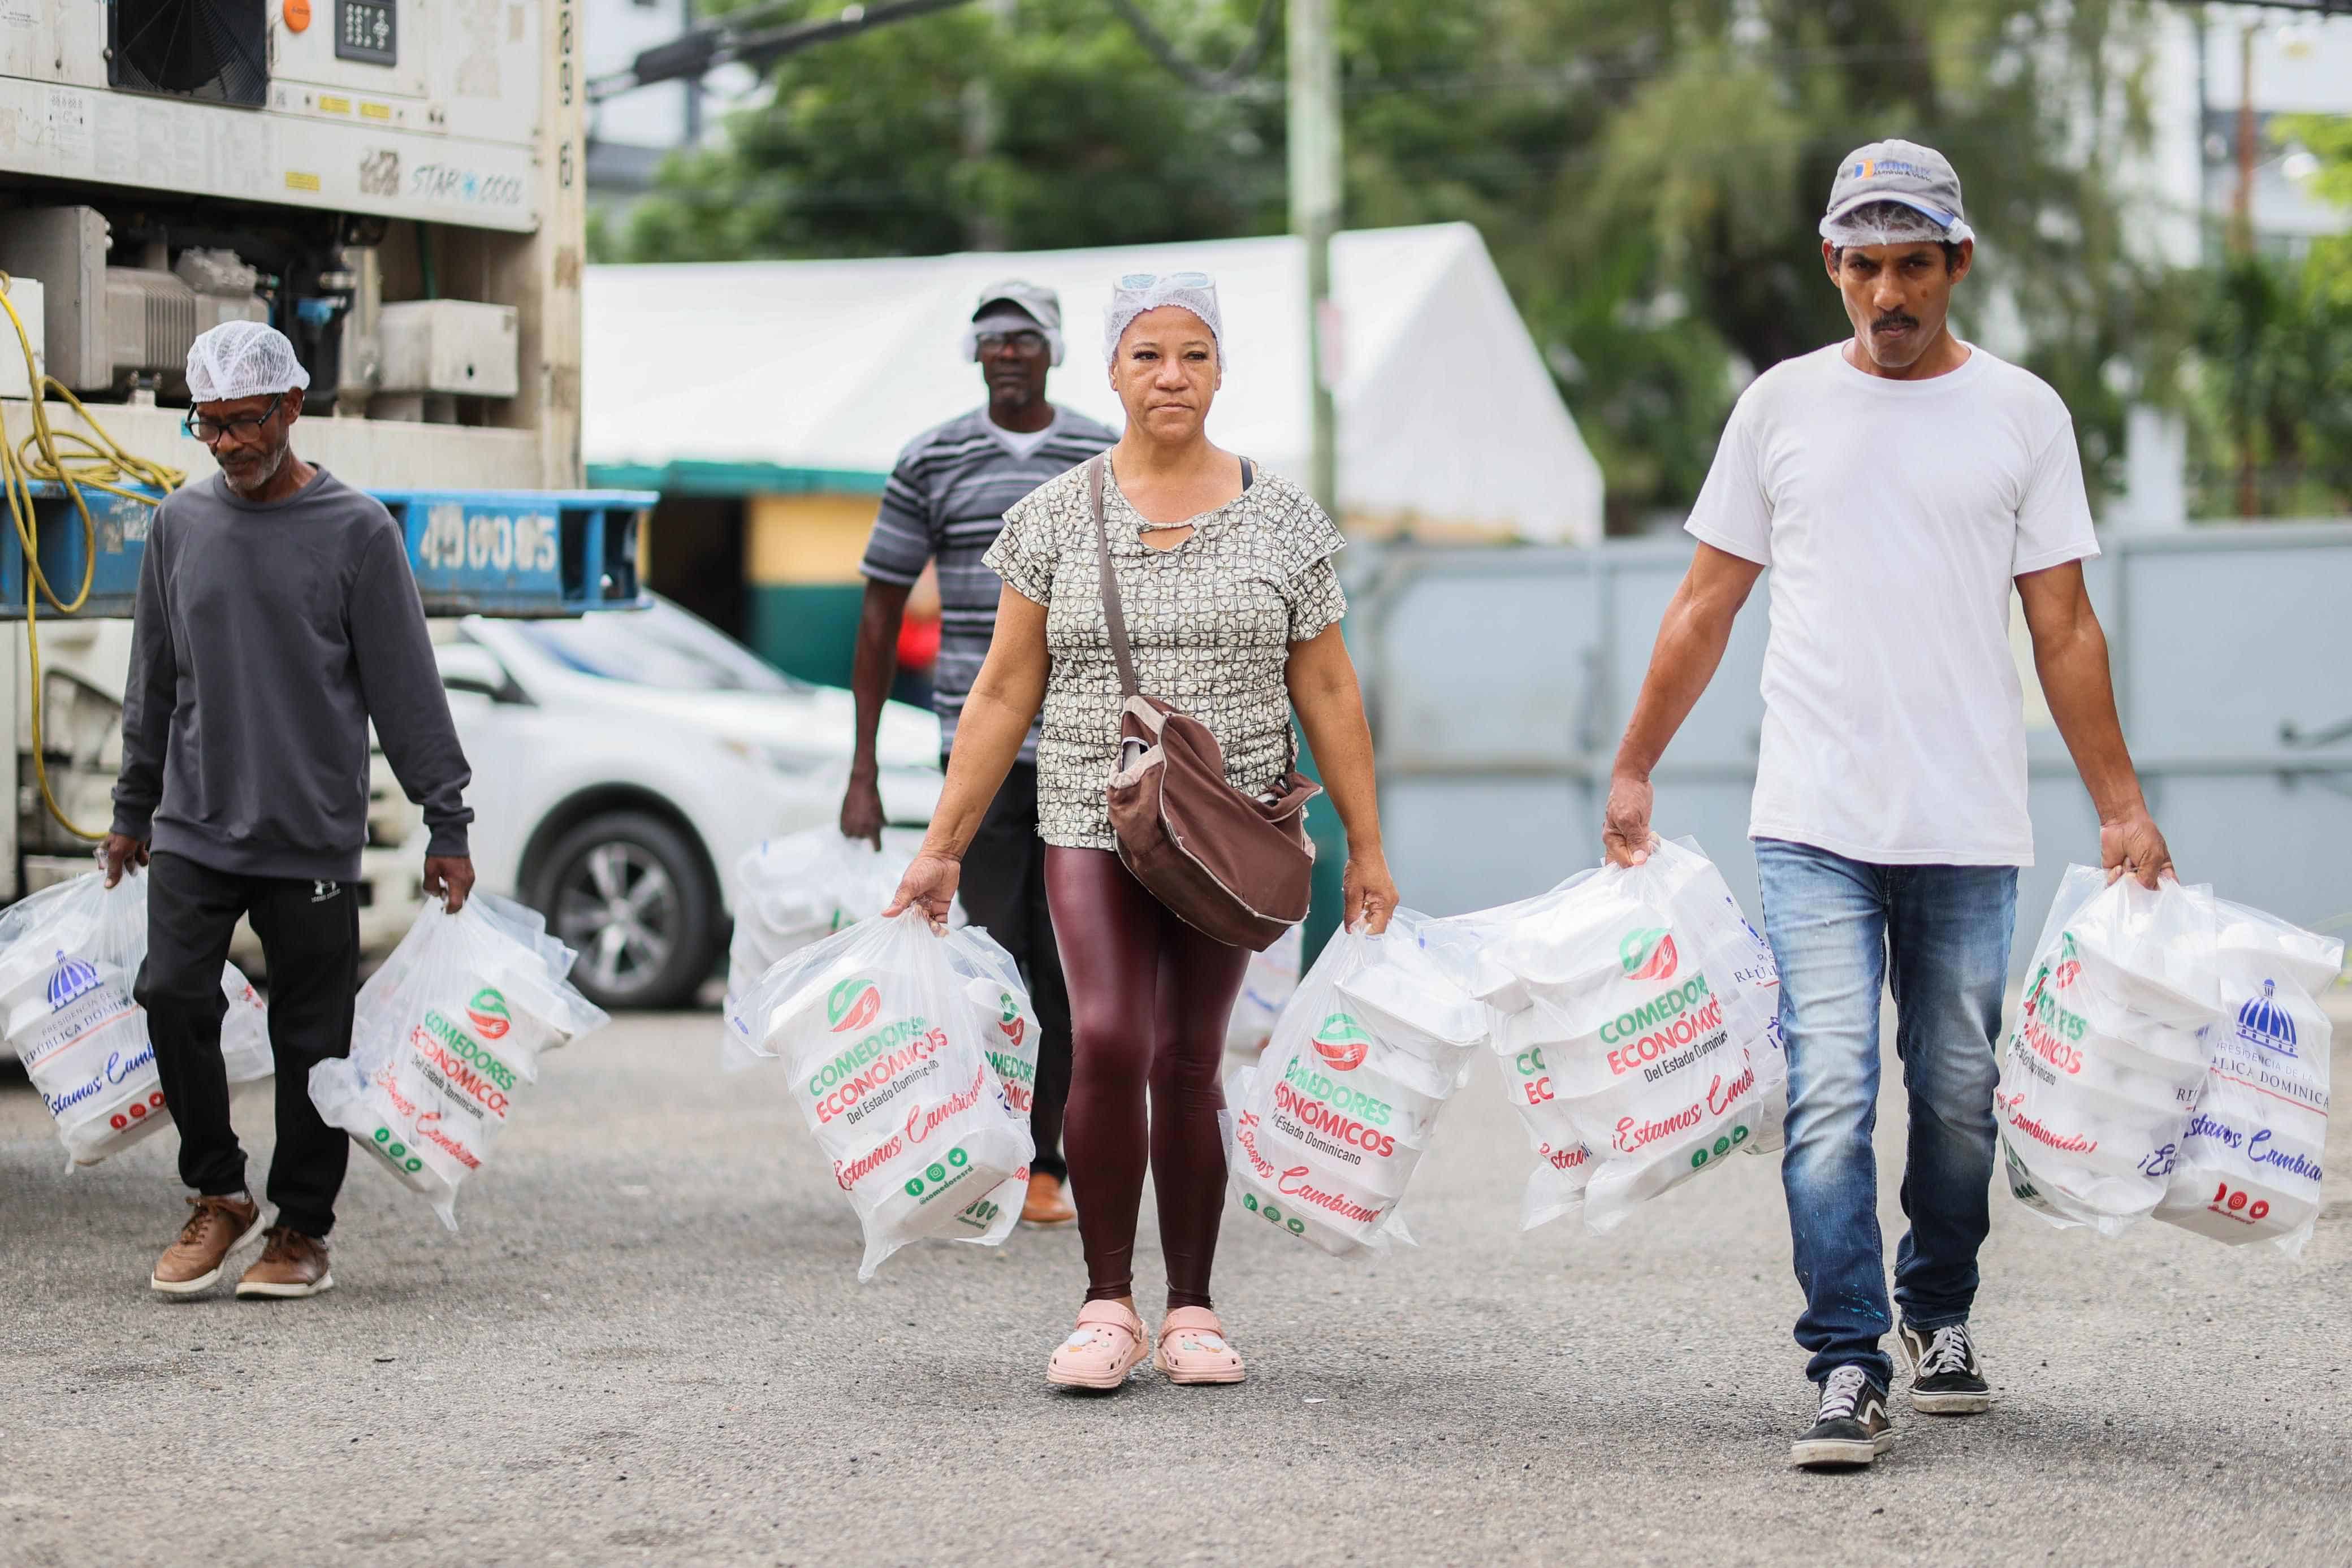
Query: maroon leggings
{"x": 1150, "y": 1001}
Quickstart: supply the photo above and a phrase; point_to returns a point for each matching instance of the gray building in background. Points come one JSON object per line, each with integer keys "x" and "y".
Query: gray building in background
{"x": 2301, "y": 65}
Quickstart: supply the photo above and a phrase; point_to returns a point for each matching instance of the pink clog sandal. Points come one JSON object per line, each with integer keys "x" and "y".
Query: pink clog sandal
{"x": 1193, "y": 1348}
{"x": 1101, "y": 1351}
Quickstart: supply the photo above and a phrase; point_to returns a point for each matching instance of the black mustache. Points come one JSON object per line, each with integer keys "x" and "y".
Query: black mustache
{"x": 1897, "y": 319}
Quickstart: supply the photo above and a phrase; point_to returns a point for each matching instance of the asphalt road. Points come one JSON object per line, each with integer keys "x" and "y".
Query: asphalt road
{"x": 649, "y": 1345}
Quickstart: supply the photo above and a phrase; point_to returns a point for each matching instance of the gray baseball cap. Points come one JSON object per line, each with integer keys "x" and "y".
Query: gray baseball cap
{"x": 1917, "y": 177}
{"x": 1040, "y": 304}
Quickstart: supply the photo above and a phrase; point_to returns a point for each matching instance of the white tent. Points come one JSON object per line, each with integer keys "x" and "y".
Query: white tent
{"x": 1447, "y": 418}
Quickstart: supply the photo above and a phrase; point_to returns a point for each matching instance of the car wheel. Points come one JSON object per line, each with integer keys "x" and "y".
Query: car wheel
{"x": 628, "y": 893}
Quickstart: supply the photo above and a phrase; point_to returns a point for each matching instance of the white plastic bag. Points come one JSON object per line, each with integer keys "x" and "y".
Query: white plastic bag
{"x": 1267, "y": 988}
{"x": 887, "y": 1033}
{"x": 244, "y": 1029}
{"x": 1325, "y": 1131}
{"x": 2248, "y": 1166}
{"x": 69, "y": 956}
{"x": 1519, "y": 1026}
{"x": 791, "y": 892}
{"x": 2105, "y": 1063}
{"x": 1760, "y": 975}
{"x": 445, "y": 1036}
{"x": 1641, "y": 1024}
{"x": 1563, "y": 1163}
{"x": 1009, "y": 1030}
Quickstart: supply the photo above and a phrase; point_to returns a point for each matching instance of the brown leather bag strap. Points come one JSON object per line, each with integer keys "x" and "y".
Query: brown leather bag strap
{"x": 1114, "y": 613}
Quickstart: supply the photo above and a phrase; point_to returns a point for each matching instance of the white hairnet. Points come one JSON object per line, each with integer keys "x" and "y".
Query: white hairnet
{"x": 1891, "y": 223}
{"x": 1138, "y": 292}
{"x": 242, "y": 359}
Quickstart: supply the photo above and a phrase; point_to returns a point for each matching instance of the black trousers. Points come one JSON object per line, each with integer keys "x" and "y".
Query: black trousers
{"x": 309, "y": 935}
{"x": 1003, "y": 889}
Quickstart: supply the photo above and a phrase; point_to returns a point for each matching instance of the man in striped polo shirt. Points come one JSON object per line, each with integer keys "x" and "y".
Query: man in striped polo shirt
{"x": 945, "y": 503}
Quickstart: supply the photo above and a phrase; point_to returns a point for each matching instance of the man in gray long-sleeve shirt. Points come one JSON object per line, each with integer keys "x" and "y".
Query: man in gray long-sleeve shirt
{"x": 277, "y": 617}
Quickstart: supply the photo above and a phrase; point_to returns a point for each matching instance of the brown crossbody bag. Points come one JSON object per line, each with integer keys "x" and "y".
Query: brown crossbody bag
{"x": 1235, "y": 867}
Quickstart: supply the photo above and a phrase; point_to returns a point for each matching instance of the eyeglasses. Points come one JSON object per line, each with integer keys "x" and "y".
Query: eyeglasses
{"x": 211, "y": 431}
{"x": 1136, "y": 282}
{"x": 1023, "y": 341}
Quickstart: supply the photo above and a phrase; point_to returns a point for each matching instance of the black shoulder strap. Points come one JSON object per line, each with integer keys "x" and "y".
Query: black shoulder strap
{"x": 1249, "y": 473}
{"x": 1114, "y": 614}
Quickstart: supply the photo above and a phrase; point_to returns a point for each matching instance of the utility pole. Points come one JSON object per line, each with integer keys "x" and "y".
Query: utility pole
{"x": 1315, "y": 218}
{"x": 2241, "y": 201}
{"x": 2242, "y": 247}
{"x": 981, "y": 124}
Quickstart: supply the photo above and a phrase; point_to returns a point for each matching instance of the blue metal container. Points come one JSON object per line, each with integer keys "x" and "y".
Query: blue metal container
{"x": 512, "y": 553}
{"x": 523, "y": 552}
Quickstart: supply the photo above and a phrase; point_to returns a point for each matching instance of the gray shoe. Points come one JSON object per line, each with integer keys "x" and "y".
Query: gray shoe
{"x": 1946, "y": 1378}
{"x": 1852, "y": 1427}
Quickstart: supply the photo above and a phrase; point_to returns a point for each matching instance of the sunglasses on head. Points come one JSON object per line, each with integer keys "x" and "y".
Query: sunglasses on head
{"x": 1135, "y": 282}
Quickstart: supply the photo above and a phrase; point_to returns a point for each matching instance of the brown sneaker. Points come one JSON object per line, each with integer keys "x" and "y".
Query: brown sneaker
{"x": 1045, "y": 1206}
{"x": 194, "y": 1262}
{"x": 292, "y": 1264}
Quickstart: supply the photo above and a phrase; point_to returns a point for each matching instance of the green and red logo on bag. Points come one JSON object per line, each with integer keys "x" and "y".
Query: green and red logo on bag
{"x": 1009, "y": 1020}
{"x": 1647, "y": 954}
{"x": 488, "y": 1013}
{"x": 853, "y": 1005}
{"x": 1342, "y": 1042}
{"x": 2070, "y": 968}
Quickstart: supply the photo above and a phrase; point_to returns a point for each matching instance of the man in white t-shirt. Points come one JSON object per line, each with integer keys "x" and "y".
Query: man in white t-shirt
{"x": 1897, "y": 484}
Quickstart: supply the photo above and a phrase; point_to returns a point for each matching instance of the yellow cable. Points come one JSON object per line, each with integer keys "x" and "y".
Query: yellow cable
{"x": 98, "y": 463}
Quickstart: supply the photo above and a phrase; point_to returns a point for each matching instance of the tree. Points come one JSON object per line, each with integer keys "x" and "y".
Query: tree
{"x": 2271, "y": 395}
{"x": 2328, "y": 139}
{"x": 1648, "y": 174}
{"x": 1717, "y": 129}
{"x": 958, "y": 131}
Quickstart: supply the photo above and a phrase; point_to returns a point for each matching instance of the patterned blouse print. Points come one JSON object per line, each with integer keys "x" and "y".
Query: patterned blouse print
{"x": 1211, "y": 622}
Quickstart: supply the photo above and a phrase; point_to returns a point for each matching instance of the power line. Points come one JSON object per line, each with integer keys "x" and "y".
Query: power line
{"x": 2308, "y": 7}
{"x": 735, "y": 39}
{"x": 1582, "y": 74}
{"x": 1234, "y": 78}
{"x": 694, "y": 53}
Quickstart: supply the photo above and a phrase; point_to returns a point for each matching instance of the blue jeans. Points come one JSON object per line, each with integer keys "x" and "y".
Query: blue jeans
{"x": 1938, "y": 935}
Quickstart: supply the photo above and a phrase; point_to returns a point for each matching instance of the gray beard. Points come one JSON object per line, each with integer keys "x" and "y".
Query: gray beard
{"x": 267, "y": 475}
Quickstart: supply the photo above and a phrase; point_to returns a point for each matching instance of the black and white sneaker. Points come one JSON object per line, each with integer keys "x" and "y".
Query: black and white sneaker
{"x": 1946, "y": 1379}
{"x": 1852, "y": 1429}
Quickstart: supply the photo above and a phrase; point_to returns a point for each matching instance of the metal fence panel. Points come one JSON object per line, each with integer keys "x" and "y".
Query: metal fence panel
{"x": 1499, "y": 681}
{"x": 1476, "y": 842}
{"x": 2236, "y": 652}
{"x": 1727, "y": 725}
{"x": 1512, "y": 693}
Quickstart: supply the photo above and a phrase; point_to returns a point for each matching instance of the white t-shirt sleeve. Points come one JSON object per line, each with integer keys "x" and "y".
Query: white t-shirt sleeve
{"x": 2054, "y": 518}
{"x": 1733, "y": 512}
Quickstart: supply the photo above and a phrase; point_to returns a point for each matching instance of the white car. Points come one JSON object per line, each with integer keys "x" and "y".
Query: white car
{"x": 623, "y": 761}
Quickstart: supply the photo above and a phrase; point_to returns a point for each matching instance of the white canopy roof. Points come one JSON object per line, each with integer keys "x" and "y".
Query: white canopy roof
{"x": 1447, "y": 416}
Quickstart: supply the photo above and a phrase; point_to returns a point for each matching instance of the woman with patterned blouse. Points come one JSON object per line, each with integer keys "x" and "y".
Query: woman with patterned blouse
{"x": 1233, "y": 610}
